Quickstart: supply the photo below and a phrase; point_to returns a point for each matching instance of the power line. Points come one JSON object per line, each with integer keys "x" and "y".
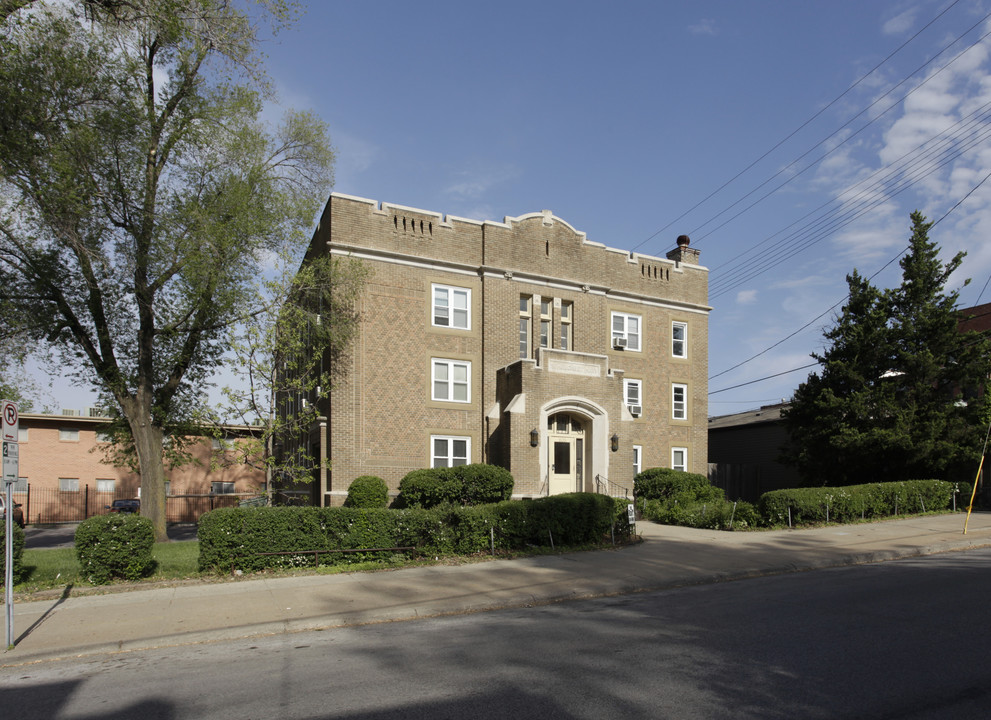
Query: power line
{"x": 879, "y": 271}
{"x": 877, "y": 198}
{"x": 836, "y": 132}
{"x": 804, "y": 124}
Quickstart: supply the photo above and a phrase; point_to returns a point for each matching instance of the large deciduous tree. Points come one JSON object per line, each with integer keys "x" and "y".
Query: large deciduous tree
{"x": 141, "y": 196}
{"x": 900, "y": 390}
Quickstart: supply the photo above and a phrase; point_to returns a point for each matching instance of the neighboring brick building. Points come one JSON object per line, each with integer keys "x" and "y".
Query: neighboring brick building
{"x": 521, "y": 344}
{"x": 61, "y": 460}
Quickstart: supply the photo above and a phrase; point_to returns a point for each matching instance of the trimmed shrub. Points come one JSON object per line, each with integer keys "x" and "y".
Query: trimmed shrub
{"x": 674, "y": 497}
{"x": 572, "y": 518}
{"x": 18, "y": 548}
{"x": 236, "y": 538}
{"x": 475, "y": 484}
{"x": 115, "y": 547}
{"x": 479, "y": 484}
{"x": 422, "y": 489}
{"x": 673, "y": 486}
{"x": 367, "y": 491}
{"x": 718, "y": 515}
{"x": 803, "y": 506}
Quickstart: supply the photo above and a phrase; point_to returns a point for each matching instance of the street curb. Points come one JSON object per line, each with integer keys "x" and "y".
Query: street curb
{"x": 359, "y": 618}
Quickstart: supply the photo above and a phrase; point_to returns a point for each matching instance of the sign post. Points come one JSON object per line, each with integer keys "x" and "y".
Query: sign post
{"x": 9, "y": 418}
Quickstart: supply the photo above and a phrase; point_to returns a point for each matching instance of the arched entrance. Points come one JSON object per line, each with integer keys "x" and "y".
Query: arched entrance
{"x": 566, "y": 453}
{"x": 574, "y": 445}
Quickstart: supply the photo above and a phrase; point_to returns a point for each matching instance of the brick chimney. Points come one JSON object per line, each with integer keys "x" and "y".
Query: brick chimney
{"x": 683, "y": 253}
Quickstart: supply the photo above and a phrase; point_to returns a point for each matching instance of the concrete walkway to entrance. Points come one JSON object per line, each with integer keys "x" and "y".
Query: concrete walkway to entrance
{"x": 669, "y": 557}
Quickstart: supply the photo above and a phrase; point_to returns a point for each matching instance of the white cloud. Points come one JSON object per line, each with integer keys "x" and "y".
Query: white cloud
{"x": 746, "y": 297}
{"x": 704, "y": 26}
{"x": 900, "y": 23}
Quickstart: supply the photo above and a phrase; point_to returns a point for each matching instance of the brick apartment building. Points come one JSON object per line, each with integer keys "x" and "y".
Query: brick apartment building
{"x": 521, "y": 344}
{"x": 62, "y": 462}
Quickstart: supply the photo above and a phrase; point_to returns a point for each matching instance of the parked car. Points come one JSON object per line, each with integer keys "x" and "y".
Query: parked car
{"x": 125, "y": 506}
{"x": 18, "y": 513}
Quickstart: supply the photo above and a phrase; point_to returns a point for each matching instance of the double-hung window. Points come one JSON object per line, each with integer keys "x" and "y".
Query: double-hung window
{"x": 679, "y": 459}
{"x": 451, "y": 380}
{"x": 567, "y": 313}
{"x": 525, "y": 301}
{"x": 626, "y": 331}
{"x": 545, "y": 322}
{"x": 452, "y": 307}
{"x": 68, "y": 484}
{"x": 449, "y": 450}
{"x": 68, "y": 434}
{"x": 679, "y": 401}
{"x": 633, "y": 395}
{"x": 679, "y": 339}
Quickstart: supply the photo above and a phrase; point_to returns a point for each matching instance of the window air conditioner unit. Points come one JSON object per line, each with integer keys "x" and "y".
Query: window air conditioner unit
{"x": 619, "y": 342}
{"x": 636, "y": 410}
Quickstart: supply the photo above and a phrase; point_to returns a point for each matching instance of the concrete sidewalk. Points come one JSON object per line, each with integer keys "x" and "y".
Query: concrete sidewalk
{"x": 669, "y": 557}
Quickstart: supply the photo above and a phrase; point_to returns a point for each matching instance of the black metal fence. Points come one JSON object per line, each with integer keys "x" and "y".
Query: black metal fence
{"x": 45, "y": 506}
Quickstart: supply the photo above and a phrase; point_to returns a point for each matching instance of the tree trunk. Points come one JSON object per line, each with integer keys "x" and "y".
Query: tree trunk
{"x": 148, "y": 445}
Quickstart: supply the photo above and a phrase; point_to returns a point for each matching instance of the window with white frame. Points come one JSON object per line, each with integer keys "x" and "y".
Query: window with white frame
{"x": 22, "y": 434}
{"x": 626, "y": 330}
{"x": 451, "y": 307}
{"x": 68, "y": 484}
{"x": 451, "y": 380}
{"x": 525, "y": 319}
{"x": 567, "y": 315}
{"x": 679, "y": 459}
{"x": 449, "y": 450}
{"x": 679, "y": 401}
{"x": 105, "y": 485}
{"x": 633, "y": 395}
{"x": 68, "y": 434}
{"x": 637, "y": 459}
{"x": 679, "y": 339}
{"x": 222, "y": 488}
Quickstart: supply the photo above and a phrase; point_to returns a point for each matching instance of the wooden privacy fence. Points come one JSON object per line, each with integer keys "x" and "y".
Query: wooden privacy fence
{"x": 46, "y": 506}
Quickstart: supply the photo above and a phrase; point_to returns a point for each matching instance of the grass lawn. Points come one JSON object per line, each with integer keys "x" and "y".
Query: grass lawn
{"x": 58, "y": 567}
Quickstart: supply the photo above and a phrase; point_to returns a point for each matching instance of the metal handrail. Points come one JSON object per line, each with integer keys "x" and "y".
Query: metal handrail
{"x": 601, "y": 482}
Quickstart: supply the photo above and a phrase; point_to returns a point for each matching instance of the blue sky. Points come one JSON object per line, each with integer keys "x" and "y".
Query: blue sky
{"x": 746, "y": 125}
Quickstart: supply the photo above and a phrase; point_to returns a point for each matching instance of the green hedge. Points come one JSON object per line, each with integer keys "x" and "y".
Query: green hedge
{"x": 475, "y": 484}
{"x": 235, "y": 538}
{"x": 367, "y": 491}
{"x": 115, "y": 546}
{"x": 674, "y": 497}
{"x": 674, "y": 486}
{"x": 855, "y": 502}
{"x": 18, "y": 548}
{"x": 718, "y": 515}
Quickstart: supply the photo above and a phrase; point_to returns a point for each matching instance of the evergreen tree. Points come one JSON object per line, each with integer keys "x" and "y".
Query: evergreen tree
{"x": 900, "y": 393}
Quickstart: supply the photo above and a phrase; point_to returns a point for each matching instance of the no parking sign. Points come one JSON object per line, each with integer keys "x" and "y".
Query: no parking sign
{"x": 10, "y": 420}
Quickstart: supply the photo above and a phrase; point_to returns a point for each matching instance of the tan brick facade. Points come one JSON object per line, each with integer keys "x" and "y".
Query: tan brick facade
{"x": 419, "y": 392}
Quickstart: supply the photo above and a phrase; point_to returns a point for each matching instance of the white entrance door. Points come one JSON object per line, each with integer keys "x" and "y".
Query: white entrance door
{"x": 566, "y": 454}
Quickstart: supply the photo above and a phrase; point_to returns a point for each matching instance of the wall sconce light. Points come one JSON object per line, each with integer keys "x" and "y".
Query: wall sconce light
{"x": 615, "y": 442}
{"x": 534, "y": 437}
